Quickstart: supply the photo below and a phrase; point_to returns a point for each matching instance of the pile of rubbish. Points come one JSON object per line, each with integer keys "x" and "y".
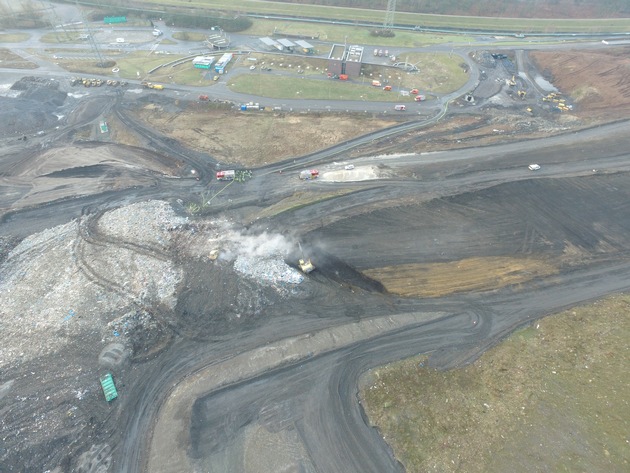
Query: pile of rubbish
{"x": 270, "y": 270}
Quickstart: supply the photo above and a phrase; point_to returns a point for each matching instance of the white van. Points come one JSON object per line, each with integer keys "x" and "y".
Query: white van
{"x": 400, "y": 108}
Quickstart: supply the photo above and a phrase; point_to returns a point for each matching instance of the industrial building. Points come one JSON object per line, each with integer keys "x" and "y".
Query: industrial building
{"x": 287, "y": 45}
{"x": 203, "y": 62}
{"x": 345, "y": 60}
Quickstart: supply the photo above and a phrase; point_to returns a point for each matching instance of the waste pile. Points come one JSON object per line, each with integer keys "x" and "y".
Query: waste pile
{"x": 268, "y": 270}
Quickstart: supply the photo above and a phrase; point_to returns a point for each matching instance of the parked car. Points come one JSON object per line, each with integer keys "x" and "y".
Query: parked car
{"x": 534, "y": 167}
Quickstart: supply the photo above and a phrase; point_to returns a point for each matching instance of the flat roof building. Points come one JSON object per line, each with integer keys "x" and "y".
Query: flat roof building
{"x": 345, "y": 60}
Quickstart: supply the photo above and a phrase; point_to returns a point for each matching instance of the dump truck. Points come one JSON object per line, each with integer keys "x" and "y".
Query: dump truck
{"x": 226, "y": 175}
{"x": 309, "y": 174}
{"x": 150, "y": 85}
{"x": 109, "y": 388}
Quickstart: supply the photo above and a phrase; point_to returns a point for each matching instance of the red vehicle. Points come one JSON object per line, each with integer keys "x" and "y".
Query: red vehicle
{"x": 413, "y": 91}
{"x": 203, "y": 98}
{"x": 311, "y": 174}
{"x": 225, "y": 175}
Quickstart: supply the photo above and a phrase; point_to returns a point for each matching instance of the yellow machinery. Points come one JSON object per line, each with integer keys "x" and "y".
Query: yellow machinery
{"x": 306, "y": 266}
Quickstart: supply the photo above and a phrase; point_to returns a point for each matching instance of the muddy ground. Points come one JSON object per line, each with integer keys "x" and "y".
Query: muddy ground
{"x": 103, "y": 283}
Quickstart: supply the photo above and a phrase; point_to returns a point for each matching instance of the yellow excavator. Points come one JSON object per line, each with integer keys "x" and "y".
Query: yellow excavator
{"x": 304, "y": 264}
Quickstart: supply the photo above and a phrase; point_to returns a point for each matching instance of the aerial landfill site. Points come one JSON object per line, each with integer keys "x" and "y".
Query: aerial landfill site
{"x": 199, "y": 279}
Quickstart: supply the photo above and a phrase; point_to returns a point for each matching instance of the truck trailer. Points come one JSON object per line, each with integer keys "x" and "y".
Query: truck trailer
{"x": 226, "y": 175}
{"x": 309, "y": 174}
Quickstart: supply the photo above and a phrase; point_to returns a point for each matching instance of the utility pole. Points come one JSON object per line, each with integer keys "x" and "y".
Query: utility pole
{"x": 389, "y": 15}
{"x": 97, "y": 52}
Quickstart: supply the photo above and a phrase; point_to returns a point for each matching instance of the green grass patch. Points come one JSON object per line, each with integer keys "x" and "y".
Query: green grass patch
{"x": 13, "y": 37}
{"x": 440, "y": 73}
{"x": 517, "y": 25}
{"x": 71, "y": 37}
{"x": 189, "y": 36}
{"x": 552, "y": 397}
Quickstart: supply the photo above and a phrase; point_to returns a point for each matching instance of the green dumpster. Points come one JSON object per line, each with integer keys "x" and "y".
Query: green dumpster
{"x": 109, "y": 388}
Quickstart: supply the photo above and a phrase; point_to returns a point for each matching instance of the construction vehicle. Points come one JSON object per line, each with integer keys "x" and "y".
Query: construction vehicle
{"x": 522, "y": 94}
{"x": 150, "y": 85}
{"x": 109, "y": 388}
{"x": 309, "y": 174}
{"x": 305, "y": 264}
{"x": 226, "y": 175}
{"x": 512, "y": 82}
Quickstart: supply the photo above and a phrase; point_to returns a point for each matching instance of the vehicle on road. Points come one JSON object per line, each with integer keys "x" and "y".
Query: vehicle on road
{"x": 204, "y": 98}
{"x": 309, "y": 174}
{"x": 400, "y": 108}
{"x": 252, "y": 67}
{"x": 226, "y": 175}
{"x": 150, "y": 85}
{"x": 349, "y": 167}
{"x": 534, "y": 167}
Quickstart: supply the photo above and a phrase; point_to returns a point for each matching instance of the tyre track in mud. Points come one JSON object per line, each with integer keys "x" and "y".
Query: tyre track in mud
{"x": 168, "y": 146}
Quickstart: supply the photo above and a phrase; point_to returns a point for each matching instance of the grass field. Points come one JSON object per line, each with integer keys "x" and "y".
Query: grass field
{"x": 13, "y": 37}
{"x": 352, "y": 34}
{"x": 552, "y": 397}
{"x": 189, "y": 36}
{"x": 376, "y": 16}
{"x": 442, "y": 74}
{"x": 11, "y": 60}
